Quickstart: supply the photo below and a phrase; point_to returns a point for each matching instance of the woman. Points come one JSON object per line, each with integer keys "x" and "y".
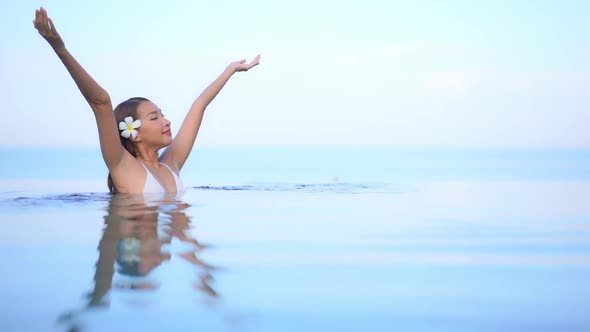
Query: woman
{"x": 131, "y": 136}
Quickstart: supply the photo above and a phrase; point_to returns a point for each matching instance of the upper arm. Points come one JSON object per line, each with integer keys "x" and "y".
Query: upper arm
{"x": 110, "y": 144}
{"x": 177, "y": 153}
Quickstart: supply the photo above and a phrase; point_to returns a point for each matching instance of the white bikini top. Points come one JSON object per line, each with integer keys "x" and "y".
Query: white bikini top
{"x": 153, "y": 186}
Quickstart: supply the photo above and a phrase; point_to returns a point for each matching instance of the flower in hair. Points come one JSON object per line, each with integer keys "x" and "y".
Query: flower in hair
{"x": 128, "y": 127}
{"x": 129, "y": 250}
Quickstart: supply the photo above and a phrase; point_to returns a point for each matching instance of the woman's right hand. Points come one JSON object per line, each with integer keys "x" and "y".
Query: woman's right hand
{"x": 243, "y": 66}
{"x": 47, "y": 30}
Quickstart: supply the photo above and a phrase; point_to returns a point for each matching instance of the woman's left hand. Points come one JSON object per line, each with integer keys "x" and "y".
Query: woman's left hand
{"x": 243, "y": 66}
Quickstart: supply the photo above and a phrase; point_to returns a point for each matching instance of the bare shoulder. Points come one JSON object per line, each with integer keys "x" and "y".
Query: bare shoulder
{"x": 129, "y": 175}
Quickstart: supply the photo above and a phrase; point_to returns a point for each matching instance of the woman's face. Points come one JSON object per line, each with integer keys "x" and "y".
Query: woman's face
{"x": 155, "y": 129}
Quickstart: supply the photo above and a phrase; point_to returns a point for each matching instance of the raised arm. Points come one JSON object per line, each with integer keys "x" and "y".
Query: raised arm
{"x": 181, "y": 147}
{"x": 98, "y": 99}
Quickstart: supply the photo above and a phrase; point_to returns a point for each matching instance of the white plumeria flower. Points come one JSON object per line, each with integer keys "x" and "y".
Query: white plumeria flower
{"x": 129, "y": 248}
{"x": 128, "y": 127}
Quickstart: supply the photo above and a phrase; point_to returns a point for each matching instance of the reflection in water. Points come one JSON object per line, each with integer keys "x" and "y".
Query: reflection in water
{"x": 136, "y": 232}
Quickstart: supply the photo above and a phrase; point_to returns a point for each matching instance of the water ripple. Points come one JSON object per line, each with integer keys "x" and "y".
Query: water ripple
{"x": 75, "y": 198}
{"x": 92, "y": 197}
{"x": 340, "y": 188}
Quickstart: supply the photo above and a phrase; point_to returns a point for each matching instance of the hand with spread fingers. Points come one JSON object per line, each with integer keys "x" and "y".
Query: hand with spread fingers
{"x": 47, "y": 30}
{"x": 243, "y": 66}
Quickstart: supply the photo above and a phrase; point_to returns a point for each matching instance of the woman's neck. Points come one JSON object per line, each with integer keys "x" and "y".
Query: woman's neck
{"x": 147, "y": 156}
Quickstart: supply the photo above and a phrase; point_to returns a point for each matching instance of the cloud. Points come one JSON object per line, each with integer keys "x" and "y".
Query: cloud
{"x": 554, "y": 82}
{"x": 394, "y": 94}
{"x": 412, "y": 50}
{"x": 457, "y": 83}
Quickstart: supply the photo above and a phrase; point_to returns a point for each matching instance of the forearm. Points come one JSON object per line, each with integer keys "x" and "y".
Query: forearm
{"x": 184, "y": 141}
{"x": 96, "y": 96}
{"x": 90, "y": 89}
{"x": 213, "y": 89}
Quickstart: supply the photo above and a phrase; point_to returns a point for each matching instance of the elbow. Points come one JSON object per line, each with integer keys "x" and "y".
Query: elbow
{"x": 101, "y": 104}
{"x": 102, "y": 99}
{"x": 199, "y": 105}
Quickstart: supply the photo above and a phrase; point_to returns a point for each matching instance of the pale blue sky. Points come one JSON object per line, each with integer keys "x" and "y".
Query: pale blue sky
{"x": 338, "y": 73}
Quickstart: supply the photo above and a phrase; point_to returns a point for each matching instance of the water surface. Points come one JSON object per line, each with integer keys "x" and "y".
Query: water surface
{"x": 302, "y": 241}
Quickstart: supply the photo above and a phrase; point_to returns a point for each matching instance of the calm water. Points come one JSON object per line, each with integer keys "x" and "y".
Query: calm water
{"x": 295, "y": 239}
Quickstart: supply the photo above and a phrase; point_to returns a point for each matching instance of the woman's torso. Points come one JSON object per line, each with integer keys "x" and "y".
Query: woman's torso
{"x": 152, "y": 185}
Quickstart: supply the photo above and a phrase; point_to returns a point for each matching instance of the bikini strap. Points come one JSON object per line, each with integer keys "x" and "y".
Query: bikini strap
{"x": 171, "y": 171}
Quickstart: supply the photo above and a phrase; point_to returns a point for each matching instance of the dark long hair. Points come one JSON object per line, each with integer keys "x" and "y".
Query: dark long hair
{"x": 123, "y": 110}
